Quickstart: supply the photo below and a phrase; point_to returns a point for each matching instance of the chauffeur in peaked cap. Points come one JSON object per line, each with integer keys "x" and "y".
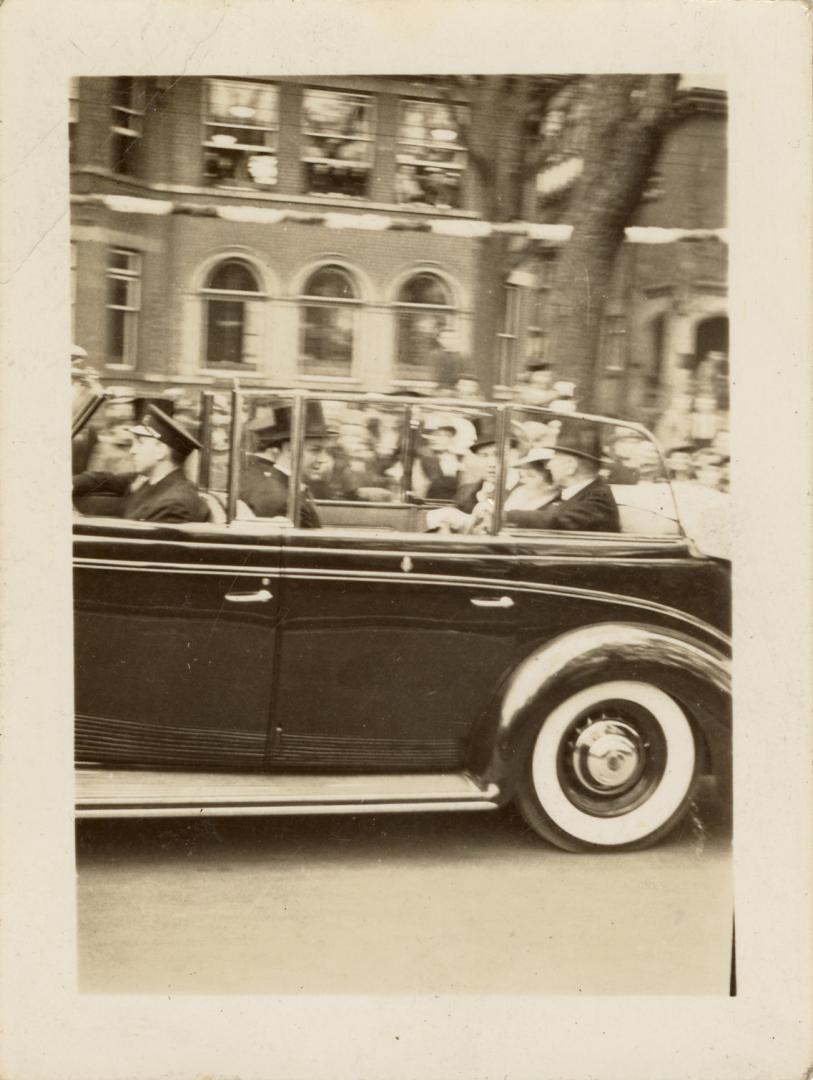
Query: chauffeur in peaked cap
{"x": 159, "y": 490}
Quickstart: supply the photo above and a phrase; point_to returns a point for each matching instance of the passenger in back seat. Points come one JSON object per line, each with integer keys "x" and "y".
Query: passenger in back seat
{"x": 585, "y": 500}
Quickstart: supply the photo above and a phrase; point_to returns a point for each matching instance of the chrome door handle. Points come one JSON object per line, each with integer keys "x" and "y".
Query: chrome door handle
{"x": 488, "y": 601}
{"x": 262, "y": 596}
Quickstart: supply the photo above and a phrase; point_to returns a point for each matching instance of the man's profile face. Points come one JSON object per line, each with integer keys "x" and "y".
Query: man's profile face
{"x": 147, "y": 452}
{"x": 562, "y": 467}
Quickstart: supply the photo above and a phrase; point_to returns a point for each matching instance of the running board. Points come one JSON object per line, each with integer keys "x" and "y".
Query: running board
{"x": 143, "y": 793}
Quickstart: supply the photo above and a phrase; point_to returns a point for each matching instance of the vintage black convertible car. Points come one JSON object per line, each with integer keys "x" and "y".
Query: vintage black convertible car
{"x": 417, "y": 650}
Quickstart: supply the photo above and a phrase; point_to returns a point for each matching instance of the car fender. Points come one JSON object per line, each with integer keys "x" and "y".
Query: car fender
{"x": 695, "y": 674}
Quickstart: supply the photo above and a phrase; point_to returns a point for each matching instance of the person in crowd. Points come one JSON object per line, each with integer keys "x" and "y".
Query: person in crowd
{"x": 704, "y": 420}
{"x": 679, "y": 462}
{"x": 675, "y": 426}
{"x": 159, "y": 490}
{"x": 85, "y": 389}
{"x": 266, "y": 475}
{"x": 111, "y": 440}
{"x": 585, "y": 500}
{"x": 467, "y": 387}
{"x": 565, "y": 399}
{"x": 710, "y": 468}
{"x": 438, "y": 467}
{"x": 358, "y": 471}
{"x": 537, "y": 387}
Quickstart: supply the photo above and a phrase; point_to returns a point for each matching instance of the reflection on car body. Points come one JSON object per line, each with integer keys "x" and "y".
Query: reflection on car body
{"x": 381, "y": 662}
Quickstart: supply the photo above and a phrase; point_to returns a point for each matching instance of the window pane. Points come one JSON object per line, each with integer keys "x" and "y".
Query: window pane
{"x": 244, "y": 103}
{"x": 327, "y": 340}
{"x": 330, "y": 281}
{"x": 123, "y": 298}
{"x": 121, "y": 260}
{"x": 116, "y": 336}
{"x": 224, "y": 339}
{"x": 336, "y": 179}
{"x": 428, "y": 185}
{"x": 340, "y": 114}
{"x": 419, "y": 350}
{"x": 230, "y": 165}
{"x": 232, "y": 277}
{"x": 425, "y": 289}
{"x": 118, "y": 292}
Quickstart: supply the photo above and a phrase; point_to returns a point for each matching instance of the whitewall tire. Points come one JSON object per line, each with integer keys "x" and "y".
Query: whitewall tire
{"x": 612, "y": 767}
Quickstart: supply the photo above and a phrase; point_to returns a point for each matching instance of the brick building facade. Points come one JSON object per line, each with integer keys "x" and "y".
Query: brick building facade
{"x": 326, "y": 232}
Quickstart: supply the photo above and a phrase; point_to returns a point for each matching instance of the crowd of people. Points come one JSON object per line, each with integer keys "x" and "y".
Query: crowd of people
{"x": 356, "y": 450}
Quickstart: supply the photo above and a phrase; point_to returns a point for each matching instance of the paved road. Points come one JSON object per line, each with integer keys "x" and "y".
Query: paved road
{"x": 428, "y": 903}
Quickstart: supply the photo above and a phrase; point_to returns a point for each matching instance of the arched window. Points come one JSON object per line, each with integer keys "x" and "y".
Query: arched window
{"x": 329, "y": 309}
{"x": 425, "y": 327}
{"x": 232, "y": 316}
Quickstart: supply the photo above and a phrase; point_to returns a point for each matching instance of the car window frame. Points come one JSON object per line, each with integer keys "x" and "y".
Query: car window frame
{"x": 503, "y": 413}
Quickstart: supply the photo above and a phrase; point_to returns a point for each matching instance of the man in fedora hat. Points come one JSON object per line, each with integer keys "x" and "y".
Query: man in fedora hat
{"x": 160, "y": 448}
{"x": 585, "y": 501}
{"x": 266, "y": 475}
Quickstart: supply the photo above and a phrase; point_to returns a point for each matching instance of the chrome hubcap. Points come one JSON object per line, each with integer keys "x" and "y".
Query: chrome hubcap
{"x": 608, "y": 756}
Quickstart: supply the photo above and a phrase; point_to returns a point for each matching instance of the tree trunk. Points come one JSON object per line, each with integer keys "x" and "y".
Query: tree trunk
{"x": 629, "y": 117}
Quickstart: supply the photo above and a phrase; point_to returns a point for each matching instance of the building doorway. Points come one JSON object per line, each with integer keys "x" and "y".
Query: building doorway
{"x": 711, "y": 335}
{"x": 711, "y": 358}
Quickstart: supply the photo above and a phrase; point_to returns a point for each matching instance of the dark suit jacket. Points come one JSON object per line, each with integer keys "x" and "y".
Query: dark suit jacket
{"x": 264, "y": 488}
{"x": 172, "y": 499}
{"x": 592, "y": 509}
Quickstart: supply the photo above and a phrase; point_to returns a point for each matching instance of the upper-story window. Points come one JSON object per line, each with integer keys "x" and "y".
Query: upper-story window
{"x": 241, "y": 130}
{"x": 330, "y": 305}
{"x": 123, "y": 305}
{"x": 233, "y": 316}
{"x": 426, "y": 323}
{"x": 127, "y": 124}
{"x": 431, "y": 159}
{"x": 338, "y": 132}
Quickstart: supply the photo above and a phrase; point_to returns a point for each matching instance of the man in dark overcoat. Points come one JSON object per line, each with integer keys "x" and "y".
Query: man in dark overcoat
{"x": 158, "y": 490}
{"x": 585, "y": 501}
{"x": 266, "y": 474}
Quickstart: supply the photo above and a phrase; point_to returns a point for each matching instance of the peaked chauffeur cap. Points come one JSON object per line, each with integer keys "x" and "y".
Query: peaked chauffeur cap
{"x": 155, "y": 424}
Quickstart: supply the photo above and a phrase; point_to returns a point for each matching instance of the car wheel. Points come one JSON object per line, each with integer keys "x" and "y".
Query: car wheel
{"x": 610, "y": 768}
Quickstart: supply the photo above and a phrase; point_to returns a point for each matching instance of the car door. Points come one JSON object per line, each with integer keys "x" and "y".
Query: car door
{"x": 175, "y": 637}
{"x": 391, "y": 647}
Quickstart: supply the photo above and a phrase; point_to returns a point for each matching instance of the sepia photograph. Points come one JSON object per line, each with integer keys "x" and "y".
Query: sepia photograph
{"x": 404, "y": 659}
{"x": 401, "y": 485}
